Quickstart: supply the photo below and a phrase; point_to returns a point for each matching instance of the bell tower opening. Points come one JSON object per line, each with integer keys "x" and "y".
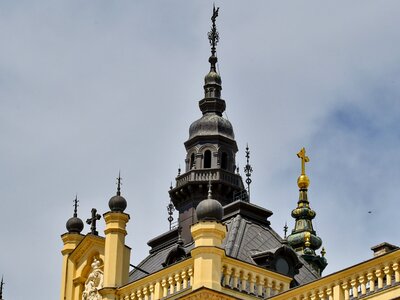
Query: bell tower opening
{"x": 207, "y": 159}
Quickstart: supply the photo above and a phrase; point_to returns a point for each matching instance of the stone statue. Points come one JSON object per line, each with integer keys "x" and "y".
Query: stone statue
{"x": 94, "y": 282}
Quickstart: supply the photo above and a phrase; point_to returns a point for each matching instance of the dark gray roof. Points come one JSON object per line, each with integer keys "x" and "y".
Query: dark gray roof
{"x": 249, "y": 233}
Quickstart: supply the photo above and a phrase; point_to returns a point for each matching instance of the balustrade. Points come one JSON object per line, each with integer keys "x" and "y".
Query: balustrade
{"x": 359, "y": 281}
{"x": 164, "y": 283}
{"x": 252, "y": 280}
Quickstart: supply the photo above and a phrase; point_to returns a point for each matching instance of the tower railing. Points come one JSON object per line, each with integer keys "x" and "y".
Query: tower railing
{"x": 204, "y": 175}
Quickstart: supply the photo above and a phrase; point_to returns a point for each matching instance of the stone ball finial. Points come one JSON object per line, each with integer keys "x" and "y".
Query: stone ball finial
{"x": 74, "y": 225}
{"x": 117, "y": 203}
{"x": 209, "y": 209}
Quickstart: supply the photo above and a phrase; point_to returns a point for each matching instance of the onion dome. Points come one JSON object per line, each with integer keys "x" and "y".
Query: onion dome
{"x": 209, "y": 209}
{"x": 211, "y": 124}
{"x": 74, "y": 224}
{"x": 117, "y": 203}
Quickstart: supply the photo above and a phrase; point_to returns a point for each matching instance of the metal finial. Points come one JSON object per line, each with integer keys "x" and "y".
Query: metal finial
{"x": 76, "y": 206}
{"x": 1, "y": 287}
{"x": 119, "y": 184}
{"x": 285, "y": 229}
{"x": 209, "y": 189}
{"x": 248, "y": 170}
{"x": 213, "y": 37}
{"x": 323, "y": 252}
{"x": 179, "y": 171}
{"x": 92, "y": 221}
{"x": 170, "y": 209}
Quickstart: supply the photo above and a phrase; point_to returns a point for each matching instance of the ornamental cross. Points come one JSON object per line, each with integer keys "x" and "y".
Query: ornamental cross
{"x": 304, "y": 160}
{"x": 92, "y": 221}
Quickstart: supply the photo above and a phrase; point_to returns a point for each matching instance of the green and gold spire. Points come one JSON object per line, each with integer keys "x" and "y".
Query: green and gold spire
{"x": 303, "y": 238}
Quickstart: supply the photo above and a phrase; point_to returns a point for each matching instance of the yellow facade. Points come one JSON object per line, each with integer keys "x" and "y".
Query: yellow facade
{"x": 210, "y": 274}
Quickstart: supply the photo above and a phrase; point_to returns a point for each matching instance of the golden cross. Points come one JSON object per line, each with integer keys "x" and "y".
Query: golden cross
{"x": 304, "y": 159}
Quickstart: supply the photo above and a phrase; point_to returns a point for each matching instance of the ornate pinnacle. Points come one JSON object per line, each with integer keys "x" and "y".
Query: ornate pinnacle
{"x": 303, "y": 181}
{"x": 248, "y": 170}
{"x": 119, "y": 184}
{"x": 213, "y": 37}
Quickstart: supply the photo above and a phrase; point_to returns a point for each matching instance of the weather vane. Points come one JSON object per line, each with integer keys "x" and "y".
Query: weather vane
{"x": 248, "y": 170}
{"x": 213, "y": 35}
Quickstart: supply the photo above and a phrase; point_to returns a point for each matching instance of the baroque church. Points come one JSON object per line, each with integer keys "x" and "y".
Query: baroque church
{"x": 223, "y": 246}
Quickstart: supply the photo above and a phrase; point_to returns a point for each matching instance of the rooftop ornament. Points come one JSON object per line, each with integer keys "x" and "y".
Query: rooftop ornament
{"x": 248, "y": 170}
{"x": 92, "y": 221}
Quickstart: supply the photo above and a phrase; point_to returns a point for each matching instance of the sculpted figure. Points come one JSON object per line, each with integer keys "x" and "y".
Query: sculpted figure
{"x": 94, "y": 282}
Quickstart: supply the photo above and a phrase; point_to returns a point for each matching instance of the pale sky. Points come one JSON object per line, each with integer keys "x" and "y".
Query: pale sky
{"x": 88, "y": 88}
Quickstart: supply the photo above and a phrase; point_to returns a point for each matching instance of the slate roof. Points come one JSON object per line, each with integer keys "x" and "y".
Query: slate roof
{"x": 249, "y": 233}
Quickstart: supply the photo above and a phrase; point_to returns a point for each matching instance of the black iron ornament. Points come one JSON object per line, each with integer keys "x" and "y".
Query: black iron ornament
{"x": 213, "y": 35}
{"x": 92, "y": 221}
{"x": 170, "y": 209}
{"x": 248, "y": 170}
{"x": 76, "y": 206}
{"x": 119, "y": 184}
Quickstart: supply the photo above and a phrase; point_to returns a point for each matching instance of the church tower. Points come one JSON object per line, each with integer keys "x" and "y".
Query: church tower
{"x": 210, "y": 151}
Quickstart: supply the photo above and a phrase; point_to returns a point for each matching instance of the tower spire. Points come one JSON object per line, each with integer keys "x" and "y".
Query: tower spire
{"x": 304, "y": 239}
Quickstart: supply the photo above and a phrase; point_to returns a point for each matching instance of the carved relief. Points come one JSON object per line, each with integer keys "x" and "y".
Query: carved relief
{"x": 94, "y": 282}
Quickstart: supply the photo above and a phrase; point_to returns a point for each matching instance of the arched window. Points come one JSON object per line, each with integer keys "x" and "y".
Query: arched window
{"x": 224, "y": 160}
{"x": 191, "y": 161}
{"x": 207, "y": 159}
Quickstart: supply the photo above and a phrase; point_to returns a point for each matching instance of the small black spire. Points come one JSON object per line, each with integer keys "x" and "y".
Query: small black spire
{"x": 1, "y": 287}
{"x": 248, "y": 170}
{"x": 74, "y": 224}
{"x": 119, "y": 184}
{"x": 92, "y": 221}
{"x": 76, "y": 206}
